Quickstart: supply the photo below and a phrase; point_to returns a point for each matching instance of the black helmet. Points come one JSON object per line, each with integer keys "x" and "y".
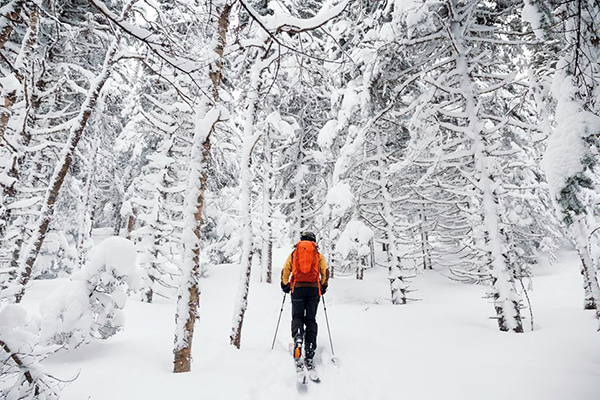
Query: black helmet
{"x": 308, "y": 236}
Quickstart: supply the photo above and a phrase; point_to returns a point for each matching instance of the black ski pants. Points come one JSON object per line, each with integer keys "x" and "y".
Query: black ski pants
{"x": 305, "y": 301}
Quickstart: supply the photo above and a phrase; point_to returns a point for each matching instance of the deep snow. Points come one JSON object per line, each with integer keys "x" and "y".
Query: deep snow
{"x": 443, "y": 346}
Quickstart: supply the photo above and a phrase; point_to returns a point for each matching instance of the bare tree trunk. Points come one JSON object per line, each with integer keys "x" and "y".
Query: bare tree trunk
{"x": 131, "y": 222}
{"x": 153, "y": 269}
{"x": 236, "y": 331}
{"x": 250, "y": 138}
{"x": 425, "y": 247}
{"x": 118, "y": 222}
{"x": 372, "y": 252}
{"x": 7, "y": 20}
{"x": 588, "y": 269}
{"x": 23, "y": 58}
{"x": 188, "y": 299}
{"x": 189, "y": 292}
{"x": 61, "y": 169}
{"x": 590, "y": 281}
{"x": 503, "y": 290}
{"x": 267, "y": 249}
{"x": 396, "y": 274}
{"x": 9, "y": 101}
{"x": 360, "y": 270}
{"x": 84, "y": 243}
{"x": 150, "y": 292}
{"x": 14, "y": 262}
{"x": 21, "y": 365}
{"x": 270, "y": 261}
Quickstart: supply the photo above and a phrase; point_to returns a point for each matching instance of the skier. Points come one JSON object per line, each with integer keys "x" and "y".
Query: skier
{"x": 306, "y": 276}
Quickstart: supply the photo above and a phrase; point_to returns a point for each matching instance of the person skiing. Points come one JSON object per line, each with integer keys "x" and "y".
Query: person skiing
{"x": 306, "y": 276}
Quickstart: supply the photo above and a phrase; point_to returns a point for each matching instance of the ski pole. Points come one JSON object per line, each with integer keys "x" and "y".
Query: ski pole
{"x": 278, "y": 319}
{"x": 329, "y": 331}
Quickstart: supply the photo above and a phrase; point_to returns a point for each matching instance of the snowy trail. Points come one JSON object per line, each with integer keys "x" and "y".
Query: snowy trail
{"x": 441, "y": 347}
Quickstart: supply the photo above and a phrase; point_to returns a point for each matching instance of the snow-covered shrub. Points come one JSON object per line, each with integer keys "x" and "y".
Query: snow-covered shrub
{"x": 221, "y": 230}
{"x": 57, "y": 257}
{"x": 353, "y": 247}
{"x": 89, "y": 306}
{"x": 67, "y": 316}
{"x": 340, "y": 199}
{"x": 22, "y": 375}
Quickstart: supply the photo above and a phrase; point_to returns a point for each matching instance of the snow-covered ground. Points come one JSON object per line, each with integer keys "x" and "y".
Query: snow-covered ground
{"x": 443, "y": 346}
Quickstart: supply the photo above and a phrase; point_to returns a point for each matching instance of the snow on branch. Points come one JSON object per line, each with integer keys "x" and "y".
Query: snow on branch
{"x": 293, "y": 25}
{"x": 151, "y": 39}
{"x": 289, "y": 24}
{"x": 22, "y": 375}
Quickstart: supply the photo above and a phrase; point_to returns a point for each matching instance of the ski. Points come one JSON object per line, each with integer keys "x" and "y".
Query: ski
{"x": 312, "y": 374}
{"x": 301, "y": 378}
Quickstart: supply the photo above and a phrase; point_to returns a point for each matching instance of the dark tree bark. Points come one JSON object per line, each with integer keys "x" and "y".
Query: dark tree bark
{"x": 191, "y": 293}
{"x": 10, "y": 18}
{"x": 17, "y": 360}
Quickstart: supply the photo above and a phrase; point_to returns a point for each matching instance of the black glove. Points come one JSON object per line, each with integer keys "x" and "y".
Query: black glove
{"x": 286, "y": 287}
{"x": 324, "y": 288}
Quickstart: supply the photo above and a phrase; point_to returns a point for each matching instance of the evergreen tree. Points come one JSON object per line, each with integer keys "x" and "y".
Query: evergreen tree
{"x": 467, "y": 121}
{"x": 569, "y": 54}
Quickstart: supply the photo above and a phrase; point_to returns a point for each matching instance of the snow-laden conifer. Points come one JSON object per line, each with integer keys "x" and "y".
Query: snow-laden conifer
{"x": 567, "y": 84}
{"x": 467, "y": 115}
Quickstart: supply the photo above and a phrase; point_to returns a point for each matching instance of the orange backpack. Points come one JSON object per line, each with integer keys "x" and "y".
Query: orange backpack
{"x": 305, "y": 262}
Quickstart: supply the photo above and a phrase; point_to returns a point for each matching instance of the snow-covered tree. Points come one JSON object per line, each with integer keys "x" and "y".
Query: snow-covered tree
{"x": 89, "y": 305}
{"x": 567, "y": 81}
{"x": 74, "y": 131}
{"x": 466, "y": 129}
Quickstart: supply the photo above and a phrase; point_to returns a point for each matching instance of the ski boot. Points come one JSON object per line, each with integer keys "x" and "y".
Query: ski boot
{"x": 310, "y": 363}
{"x": 298, "y": 349}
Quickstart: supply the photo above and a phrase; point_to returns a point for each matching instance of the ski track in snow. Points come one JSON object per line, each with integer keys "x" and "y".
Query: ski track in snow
{"x": 443, "y": 346}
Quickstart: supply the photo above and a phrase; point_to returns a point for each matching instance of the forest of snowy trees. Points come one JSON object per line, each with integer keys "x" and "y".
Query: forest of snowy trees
{"x": 460, "y": 135}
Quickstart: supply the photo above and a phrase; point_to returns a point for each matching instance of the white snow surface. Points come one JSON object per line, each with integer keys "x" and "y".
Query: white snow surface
{"x": 441, "y": 347}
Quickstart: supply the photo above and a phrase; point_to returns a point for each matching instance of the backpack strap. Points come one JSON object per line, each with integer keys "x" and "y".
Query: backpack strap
{"x": 293, "y": 278}
{"x": 315, "y": 260}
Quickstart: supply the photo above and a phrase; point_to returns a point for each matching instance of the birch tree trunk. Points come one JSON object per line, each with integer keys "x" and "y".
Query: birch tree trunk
{"x": 188, "y": 299}
{"x": 21, "y": 63}
{"x": 588, "y": 269}
{"x": 250, "y": 138}
{"x": 10, "y": 17}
